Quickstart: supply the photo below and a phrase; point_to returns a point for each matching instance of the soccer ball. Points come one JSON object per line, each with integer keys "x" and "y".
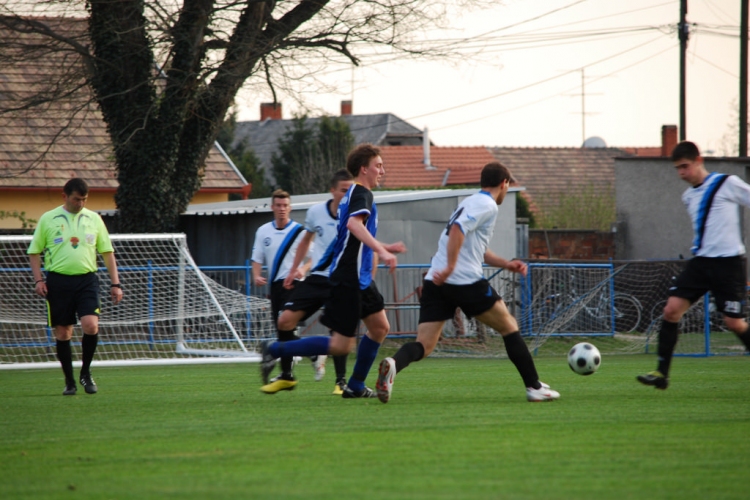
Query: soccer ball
{"x": 584, "y": 358}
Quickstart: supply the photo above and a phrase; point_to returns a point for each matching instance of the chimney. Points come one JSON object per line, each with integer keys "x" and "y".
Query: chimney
{"x": 346, "y": 108}
{"x": 426, "y": 148}
{"x": 668, "y": 139}
{"x": 270, "y": 111}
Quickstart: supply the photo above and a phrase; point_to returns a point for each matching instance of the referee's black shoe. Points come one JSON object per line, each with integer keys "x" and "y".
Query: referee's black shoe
{"x": 70, "y": 388}
{"x": 88, "y": 384}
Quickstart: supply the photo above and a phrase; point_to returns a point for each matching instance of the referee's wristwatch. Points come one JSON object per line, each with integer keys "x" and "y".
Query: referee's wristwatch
{"x": 116, "y": 285}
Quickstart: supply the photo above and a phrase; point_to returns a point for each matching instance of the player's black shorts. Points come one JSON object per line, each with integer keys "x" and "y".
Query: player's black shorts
{"x": 347, "y": 305}
{"x": 724, "y": 277}
{"x": 309, "y": 295}
{"x": 71, "y": 296}
{"x": 279, "y": 297}
{"x": 439, "y": 303}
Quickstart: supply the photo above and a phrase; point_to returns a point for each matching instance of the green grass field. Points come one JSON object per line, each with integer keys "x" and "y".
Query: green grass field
{"x": 454, "y": 429}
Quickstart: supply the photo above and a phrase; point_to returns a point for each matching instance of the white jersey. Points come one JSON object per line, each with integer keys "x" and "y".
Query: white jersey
{"x": 319, "y": 221}
{"x": 275, "y": 248}
{"x": 476, "y": 217}
{"x": 716, "y": 223}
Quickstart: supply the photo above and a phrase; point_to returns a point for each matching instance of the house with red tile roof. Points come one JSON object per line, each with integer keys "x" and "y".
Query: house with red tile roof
{"x": 41, "y": 148}
{"x": 409, "y": 166}
{"x": 547, "y": 174}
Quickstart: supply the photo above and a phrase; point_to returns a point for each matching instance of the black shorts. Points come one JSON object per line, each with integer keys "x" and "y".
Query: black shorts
{"x": 724, "y": 277}
{"x": 439, "y": 303}
{"x": 279, "y": 297}
{"x": 309, "y": 295}
{"x": 71, "y": 296}
{"x": 347, "y": 305}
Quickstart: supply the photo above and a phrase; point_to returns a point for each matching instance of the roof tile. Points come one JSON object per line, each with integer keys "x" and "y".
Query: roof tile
{"x": 83, "y": 147}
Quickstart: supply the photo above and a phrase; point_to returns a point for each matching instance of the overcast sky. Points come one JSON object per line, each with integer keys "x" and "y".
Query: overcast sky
{"x": 537, "y": 57}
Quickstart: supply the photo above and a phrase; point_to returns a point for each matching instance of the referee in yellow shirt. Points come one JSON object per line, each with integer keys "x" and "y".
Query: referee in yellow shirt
{"x": 69, "y": 237}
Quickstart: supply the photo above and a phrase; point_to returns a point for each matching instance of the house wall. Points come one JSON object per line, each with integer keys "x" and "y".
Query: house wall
{"x": 571, "y": 244}
{"x": 36, "y": 202}
{"x": 652, "y": 222}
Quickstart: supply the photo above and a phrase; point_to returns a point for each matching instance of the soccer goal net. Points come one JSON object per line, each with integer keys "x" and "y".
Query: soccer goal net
{"x": 617, "y": 305}
{"x": 171, "y": 312}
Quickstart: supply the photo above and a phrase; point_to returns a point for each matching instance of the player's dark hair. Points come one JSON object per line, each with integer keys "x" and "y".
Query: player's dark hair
{"x": 360, "y": 157}
{"x": 494, "y": 174}
{"x": 76, "y": 185}
{"x": 685, "y": 150}
{"x": 340, "y": 175}
{"x": 279, "y": 193}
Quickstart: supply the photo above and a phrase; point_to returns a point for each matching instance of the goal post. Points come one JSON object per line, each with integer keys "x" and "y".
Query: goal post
{"x": 171, "y": 312}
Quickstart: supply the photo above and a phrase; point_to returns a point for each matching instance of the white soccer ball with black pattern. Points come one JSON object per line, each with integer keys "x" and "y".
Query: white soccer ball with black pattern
{"x": 584, "y": 358}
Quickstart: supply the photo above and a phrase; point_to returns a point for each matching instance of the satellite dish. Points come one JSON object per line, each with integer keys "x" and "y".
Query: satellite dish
{"x": 594, "y": 142}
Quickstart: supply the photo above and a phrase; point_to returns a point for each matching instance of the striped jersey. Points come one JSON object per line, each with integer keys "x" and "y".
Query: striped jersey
{"x": 275, "y": 248}
{"x": 351, "y": 261}
{"x": 715, "y": 213}
{"x": 476, "y": 217}
{"x": 320, "y": 221}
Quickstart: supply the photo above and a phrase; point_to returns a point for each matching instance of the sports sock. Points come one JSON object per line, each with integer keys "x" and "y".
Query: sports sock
{"x": 339, "y": 362}
{"x": 745, "y": 338}
{"x": 366, "y": 354}
{"x": 519, "y": 354}
{"x": 287, "y": 362}
{"x": 309, "y": 346}
{"x": 667, "y": 341}
{"x": 66, "y": 360}
{"x": 88, "y": 348}
{"x": 407, "y": 354}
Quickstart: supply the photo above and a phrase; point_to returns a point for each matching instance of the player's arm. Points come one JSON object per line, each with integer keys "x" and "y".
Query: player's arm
{"x": 356, "y": 226}
{"x": 40, "y": 287}
{"x": 111, "y": 263}
{"x": 299, "y": 256}
{"x": 455, "y": 242}
{"x": 494, "y": 260}
{"x": 258, "y": 278}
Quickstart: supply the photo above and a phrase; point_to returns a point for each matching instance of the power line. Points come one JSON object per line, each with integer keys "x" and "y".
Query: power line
{"x": 532, "y": 84}
{"x": 558, "y": 94}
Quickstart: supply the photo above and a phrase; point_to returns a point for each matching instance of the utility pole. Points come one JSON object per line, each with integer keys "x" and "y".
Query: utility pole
{"x": 583, "y": 105}
{"x": 683, "y": 32}
{"x": 743, "y": 79}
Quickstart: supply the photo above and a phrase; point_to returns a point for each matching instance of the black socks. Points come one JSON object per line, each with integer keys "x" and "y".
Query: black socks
{"x": 339, "y": 362}
{"x": 408, "y": 353}
{"x": 66, "y": 360}
{"x": 287, "y": 361}
{"x": 519, "y": 354}
{"x": 667, "y": 342}
{"x": 88, "y": 348}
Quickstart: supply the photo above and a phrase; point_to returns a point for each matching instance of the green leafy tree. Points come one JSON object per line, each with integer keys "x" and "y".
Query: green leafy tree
{"x": 308, "y": 155}
{"x": 164, "y": 74}
{"x": 523, "y": 211}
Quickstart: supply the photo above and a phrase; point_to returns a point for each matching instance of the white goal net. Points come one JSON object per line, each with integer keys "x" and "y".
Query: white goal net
{"x": 171, "y": 312}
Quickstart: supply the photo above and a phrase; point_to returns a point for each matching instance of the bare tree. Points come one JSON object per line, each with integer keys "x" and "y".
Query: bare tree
{"x": 165, "y": 73}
